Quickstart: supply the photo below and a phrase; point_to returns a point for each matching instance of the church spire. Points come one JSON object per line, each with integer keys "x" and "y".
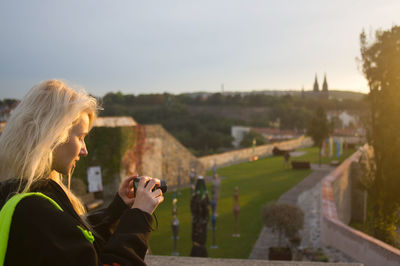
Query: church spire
{"x": 325, "y": 85}
{"x": 316, "y": 86}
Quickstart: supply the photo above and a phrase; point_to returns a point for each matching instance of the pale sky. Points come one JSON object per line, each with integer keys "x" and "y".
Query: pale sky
{"x": 186, "y": 46}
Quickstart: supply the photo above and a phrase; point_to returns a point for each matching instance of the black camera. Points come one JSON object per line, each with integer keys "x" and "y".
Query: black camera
{"x": 163, "y": 185}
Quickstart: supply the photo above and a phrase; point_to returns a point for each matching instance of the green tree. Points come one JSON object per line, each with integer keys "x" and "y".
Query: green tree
{"x": 247, "y": 140}
{"x": 318, "y": 128}
{"x": 380, "y": 61}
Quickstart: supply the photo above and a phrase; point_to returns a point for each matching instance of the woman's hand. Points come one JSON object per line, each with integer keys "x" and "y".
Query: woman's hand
{"x": 125, "y": 190}
{"x": 146, "y": 199}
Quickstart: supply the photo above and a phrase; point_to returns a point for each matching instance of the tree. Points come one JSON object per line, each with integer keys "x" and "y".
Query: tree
{"x": 335, "y": 123}
{"x": 247, "y": 140}
{"x": 380, "y": 62}
{"x": 285, "y": 218}
{"x": 318, "y": 128}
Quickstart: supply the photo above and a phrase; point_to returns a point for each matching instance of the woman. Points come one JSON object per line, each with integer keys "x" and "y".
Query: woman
{"x": 41, "y": 143}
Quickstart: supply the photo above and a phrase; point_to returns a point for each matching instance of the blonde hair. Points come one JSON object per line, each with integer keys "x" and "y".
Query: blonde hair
{"x": 41, "y": 122}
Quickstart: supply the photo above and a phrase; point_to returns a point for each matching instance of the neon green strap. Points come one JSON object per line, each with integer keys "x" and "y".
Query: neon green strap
{"x": 7, "y": 212}
{"x": 88, "y": 235}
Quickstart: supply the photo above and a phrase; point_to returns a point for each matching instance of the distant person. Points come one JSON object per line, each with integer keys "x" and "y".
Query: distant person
{"x": 286, "y": 158}
{"x": 41, "y": 143}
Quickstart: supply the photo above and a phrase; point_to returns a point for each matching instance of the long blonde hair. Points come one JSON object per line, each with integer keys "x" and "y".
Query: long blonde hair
{"x": 41, "y": 122}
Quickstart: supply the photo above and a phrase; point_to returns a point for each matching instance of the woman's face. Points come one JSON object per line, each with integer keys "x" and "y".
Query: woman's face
{"x": 67, "y": 154}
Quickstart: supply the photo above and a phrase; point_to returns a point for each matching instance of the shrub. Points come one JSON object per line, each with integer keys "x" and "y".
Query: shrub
{"x": 285, "y": 218}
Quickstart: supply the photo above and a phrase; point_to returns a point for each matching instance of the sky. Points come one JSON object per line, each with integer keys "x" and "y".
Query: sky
{"x": 181, "y": 46}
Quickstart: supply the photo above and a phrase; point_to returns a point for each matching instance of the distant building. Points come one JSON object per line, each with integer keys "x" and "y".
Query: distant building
{"x": 276, "y": 134}
{"x": 346, "y": 118}
{"x": 270, "y": 134}
{"x": 238, "y": 133}
{"x": 325, "y": 85}
{"x": 316, "y": 86}
{"x": 325, "y": 92}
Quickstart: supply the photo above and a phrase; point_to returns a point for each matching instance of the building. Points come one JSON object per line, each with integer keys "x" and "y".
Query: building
{"x": 346, "y": 118}
{"x": 324, "y": 93}
{"x": 238, "y": 133}
{"x": 316, "y": 86}
{"x": 270, "y": 134}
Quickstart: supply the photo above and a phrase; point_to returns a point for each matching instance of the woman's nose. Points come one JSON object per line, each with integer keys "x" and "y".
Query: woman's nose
{"x": 83, "y": 151}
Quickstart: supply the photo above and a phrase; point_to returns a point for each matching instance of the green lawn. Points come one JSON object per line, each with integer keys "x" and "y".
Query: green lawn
{"x": 312, "y": 155}
{"x": 259, "y": 182}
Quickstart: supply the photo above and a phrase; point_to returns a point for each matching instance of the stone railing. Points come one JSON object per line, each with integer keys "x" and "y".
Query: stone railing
{"x": 242, "y": 155}
{"x": 336, "y": 213}
{"x": 184, "y": 261}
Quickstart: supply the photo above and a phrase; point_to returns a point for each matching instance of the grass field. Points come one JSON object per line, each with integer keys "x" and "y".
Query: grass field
{"x": 311, "y": 155}
{"x": 259, "y": 182}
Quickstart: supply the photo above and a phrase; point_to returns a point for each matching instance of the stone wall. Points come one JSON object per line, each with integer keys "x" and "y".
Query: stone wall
{"x": 336, "y": 212}
{"x": 243, "y": 155}
{"x": 184, "y": 261}
{"x": 163, "y": 155}
{"x": 342, "y": 195}
{"x": 150, "y": 150}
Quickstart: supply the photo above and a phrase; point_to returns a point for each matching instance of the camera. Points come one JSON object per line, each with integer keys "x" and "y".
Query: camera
{"x": 162, "y": 187}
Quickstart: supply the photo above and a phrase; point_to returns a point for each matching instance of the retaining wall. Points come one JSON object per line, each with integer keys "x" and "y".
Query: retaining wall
{"x": 242, "y": 155}
{"x": 336, "y": 213}
{"x": 163, "y": 155}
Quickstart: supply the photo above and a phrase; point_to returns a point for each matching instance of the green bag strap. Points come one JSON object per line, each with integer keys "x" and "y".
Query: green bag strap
{"x": 87, "y": 234}
{"x": 7, "y": 212}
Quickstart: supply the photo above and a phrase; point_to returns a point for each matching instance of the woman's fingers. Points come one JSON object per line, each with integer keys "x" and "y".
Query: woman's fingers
{"x": 125, "y": 190}
{"x": 152, "y": 183}
{"x": 128, "y": 182}
{"x": 130, "y": 190}
{"x": 146, "y": 199}
{"x": 160, "y": 199}
{"x": 130, "y": 178}
{"x": 157, "y": 193}
{"x": 143, "y": 180}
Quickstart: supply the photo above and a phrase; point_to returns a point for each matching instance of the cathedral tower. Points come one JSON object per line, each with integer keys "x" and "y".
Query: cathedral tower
{"x": 316, "y": 86}
{"x": 325, "y": 87}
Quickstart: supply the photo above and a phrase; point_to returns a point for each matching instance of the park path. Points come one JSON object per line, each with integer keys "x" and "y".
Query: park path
{"x": 306, "y": 195}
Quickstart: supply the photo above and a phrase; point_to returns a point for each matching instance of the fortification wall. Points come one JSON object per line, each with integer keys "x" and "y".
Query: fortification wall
{"x": 342, "y": 195}
{"x": 164, "y": 154}
{"x": 336, "y": 213}
{"x": 243, "y": 155}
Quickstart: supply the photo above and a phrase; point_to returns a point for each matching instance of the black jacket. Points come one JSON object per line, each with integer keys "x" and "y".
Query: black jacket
{"x": 40, "y": 234}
